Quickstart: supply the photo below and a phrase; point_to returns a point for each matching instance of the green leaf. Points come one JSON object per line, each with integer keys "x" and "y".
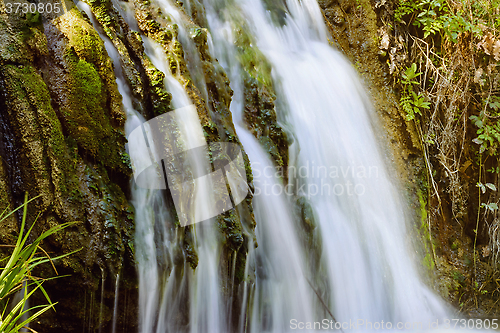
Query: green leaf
{"x": 491, "y": 186}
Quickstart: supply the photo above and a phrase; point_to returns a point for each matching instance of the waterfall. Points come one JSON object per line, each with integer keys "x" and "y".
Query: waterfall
{"x": 337, "y": 164}
{"x": 281, "y": 290}
{"x": 366, "y": 269}
{"x": 370, "y": 272}
{"x": 162, "y": 292}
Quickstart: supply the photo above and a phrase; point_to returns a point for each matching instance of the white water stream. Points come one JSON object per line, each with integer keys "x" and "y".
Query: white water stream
{"x": 367, "y": 266}
{"x": 161, "y": 293}
{"x": 335, "y": 163}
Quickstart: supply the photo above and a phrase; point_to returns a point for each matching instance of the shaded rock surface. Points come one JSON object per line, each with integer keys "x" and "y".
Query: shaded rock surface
{"x": 62, "y": 138}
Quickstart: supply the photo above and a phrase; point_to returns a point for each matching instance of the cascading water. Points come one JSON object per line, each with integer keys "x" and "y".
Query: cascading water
{"x": 335, "y": 163}
{"x": 281, "y": 288}
{"x": 161, "y": 292}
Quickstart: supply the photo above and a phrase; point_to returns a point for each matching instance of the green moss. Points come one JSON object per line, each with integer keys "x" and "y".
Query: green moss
{"x": 86, "y": 43}
{"x": 271, "y": 149}
{"x": 75, "y": 196}
{"x": 28, "y": 25}
{"x": 428, "y": 260}
{"x": 165, "y": 35}
{"x": 86, "y": 120}
{"x": 85, "y": 115}
{"x": 160, "y": 98}
{"x": 173, "y": 64}
{"x": 252, "y": 59}
{"x": 102, "y": 9}
{"x": 27, "y": 85}
{"x": 230, "y": 225}
{"x": 459, "y": 277}
{"x": 88, "y": 82}
{"x": 177, "y": 49}
{"x": 248, "y": 170}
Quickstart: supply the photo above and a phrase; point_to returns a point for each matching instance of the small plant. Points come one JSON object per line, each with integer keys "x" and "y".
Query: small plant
{"x": 434, "y": 17}
{"x": 16, "y": 277}
{"x": 431, "y": 17}
{"x": 488, "y": 134}
{"x": 491, "y": 206}
{"x": 410, "y": 101}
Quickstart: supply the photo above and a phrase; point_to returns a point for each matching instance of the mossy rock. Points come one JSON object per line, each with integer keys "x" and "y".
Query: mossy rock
{"x": 91, "y": 113}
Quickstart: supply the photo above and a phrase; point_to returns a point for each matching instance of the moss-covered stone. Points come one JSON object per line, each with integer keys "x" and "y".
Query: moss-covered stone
{"x": 230, "y": 225}
{"x": 26, "y": 43}
{"x": 210, "y": 92}
{"x": 91, "y": 111}
{"x": 160, "y": 98}
{"x": 260, "y": 117}
{"x": 48, "y": 105}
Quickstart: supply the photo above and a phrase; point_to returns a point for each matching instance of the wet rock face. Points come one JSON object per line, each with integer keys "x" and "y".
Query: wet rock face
{"x": 62, "y": 137}
{"x": 261, "y": 120}
{"x": 207, "y": 85}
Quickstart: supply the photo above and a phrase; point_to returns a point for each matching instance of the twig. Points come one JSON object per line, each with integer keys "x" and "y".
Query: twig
{"x": 324, "y": 304}
{"x": 50, "y": 259}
